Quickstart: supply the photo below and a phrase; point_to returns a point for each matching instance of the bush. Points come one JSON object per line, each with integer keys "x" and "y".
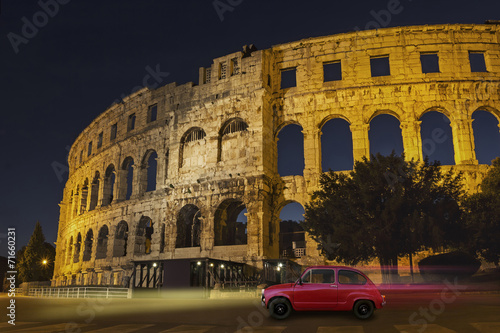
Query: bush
{"x": 448, "y": 266}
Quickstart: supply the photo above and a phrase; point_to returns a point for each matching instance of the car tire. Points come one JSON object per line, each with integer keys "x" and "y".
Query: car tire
{"x": 363, "y": 309}
{"x": 280, "y": 308}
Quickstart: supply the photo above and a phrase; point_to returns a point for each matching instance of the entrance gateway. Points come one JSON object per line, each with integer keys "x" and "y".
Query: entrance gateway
{"x": 207, "y": 273}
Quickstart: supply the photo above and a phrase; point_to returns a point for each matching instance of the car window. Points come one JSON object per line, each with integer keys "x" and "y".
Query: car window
{"x": 350, "y": 277}
{"x": 319, "y": 276}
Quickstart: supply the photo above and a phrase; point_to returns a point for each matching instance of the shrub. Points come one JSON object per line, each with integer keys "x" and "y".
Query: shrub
{"x": 448, "y": 266}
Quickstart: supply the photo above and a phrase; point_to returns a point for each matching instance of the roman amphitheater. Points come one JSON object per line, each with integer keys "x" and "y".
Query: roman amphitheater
{"x": 185, "y": 177}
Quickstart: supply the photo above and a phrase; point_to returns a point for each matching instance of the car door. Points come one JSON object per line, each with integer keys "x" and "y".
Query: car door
{"x": 317, "y": 291}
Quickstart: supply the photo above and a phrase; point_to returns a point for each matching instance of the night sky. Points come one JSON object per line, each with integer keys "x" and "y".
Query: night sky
{"x": 87, "y": 54}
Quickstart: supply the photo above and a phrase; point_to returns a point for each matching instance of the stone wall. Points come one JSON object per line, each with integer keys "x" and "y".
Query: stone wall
{"x": 214, "y": 145}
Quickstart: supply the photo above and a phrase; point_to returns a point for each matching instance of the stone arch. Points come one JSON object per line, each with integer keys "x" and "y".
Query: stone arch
{"x": 78, "y": 246}
{"x": 109, "y": 184}
{"x": 495, "y": 111}
{"x": 102, "y": 243}
{"x": 336, "y": 144}
{"x": 486, "y": 133}
{"x": 230, "y": 145}
{"x": 121, "y": 240}
{"x": 149, "y": 168}
{"x": 437, "y": 136}
{"x": 89, "y": 241}
{"x": 228, "y": 230}
{"x": 385, "y": 134}
{"x": 94, "y": 191}
{"x": 380, "y": 112}
{"x": 69, "y": 251}
{"x": 290, "y": 148}
{"x": 191, "y": 152}
{"x": 127, "y": 178}
{"x": 292, "y": 241}
{"x": 144, "y": 235}
{"x": 436, "y": 108}
{"x": 188, "y": 227}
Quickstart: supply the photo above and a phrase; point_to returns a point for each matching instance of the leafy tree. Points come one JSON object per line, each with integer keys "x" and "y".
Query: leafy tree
{"x": 35, "y": 260}
{"x": 385, "y": 208}
{"x": 483, "y": 218}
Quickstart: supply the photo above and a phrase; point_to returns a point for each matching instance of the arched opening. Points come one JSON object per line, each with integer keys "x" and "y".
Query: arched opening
{"x": 336, "y": 146}
{"x": 486, "y": 136}
{"x": 437, "y": 138}
{"x": 385, "y": 135}
{"x": 109, "y": 184}
{"x": 84, "y": 196}
{"x": 78, "y": 245}
{"x": 69, "y": 251}
{"x": 292, "y": 235}
{"x": 128, "y": 166}
{"x": 188, "y": 227}
{"x": 148, "y": 171}
{"x": 94, "y": 191}
{"x": 102, "y": 243}
{"x": 89, "y": 239}
{"x": 291, "y": 151}
{"x": 144, "y": 235}
{"x": 192, "y": 149}
{"x": 121, "y": 239}
{"x": 230, "y": 223}
{"x": 233, "y": 143}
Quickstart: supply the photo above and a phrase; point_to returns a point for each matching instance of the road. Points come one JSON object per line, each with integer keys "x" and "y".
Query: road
{"x": 420, "y": 312}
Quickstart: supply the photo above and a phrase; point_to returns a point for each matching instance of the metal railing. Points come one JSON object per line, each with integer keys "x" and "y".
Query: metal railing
{"x": 81, "y": 292}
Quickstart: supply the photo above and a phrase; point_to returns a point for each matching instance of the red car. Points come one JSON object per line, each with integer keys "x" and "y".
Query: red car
{"x": 330, "y": 288}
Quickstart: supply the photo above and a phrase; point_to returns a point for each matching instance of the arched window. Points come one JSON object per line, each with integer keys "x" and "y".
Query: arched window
{"x": 89, "y": 240}
{"x": 78, "y": 245}
{"x": 109, "y": 184}
{"x": 230, "y": 223}
{"x": 232, "y": 142}
{"x": 192, "y": 150}
{"x": 385, "y": 135}
{"x": 292, "y": 235}
{"x": 144, "y": 236}
{"x": 121, "y": 238}
{"x": 233, "y": 126}
{"x": 291, "y": 151}
{"x": 188, "y": 227}
{"x": 486, "y": 136}
{"x": 336, "y": 146}
{"x": 102, "y": 243}
{"x": 148, "y": 171}
{"x": 437, "y": 138}
{"x": 128, "y": 166}
{"x": 94, "y": 191}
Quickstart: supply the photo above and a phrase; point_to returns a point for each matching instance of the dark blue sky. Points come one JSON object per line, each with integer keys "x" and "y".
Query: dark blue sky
{"x": 90, "y": 53}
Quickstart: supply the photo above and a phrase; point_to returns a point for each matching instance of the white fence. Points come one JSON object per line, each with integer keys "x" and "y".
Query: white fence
{"x": 81, "y": 292}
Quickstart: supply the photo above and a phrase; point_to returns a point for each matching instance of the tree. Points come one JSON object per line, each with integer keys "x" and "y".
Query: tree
{"x": 483, "y": 217}
{"x": 385, "y": 208}
{"x": 35, "y": 260}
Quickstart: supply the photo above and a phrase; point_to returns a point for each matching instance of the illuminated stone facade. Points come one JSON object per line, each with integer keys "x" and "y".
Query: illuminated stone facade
{"x": 211, "y": 149}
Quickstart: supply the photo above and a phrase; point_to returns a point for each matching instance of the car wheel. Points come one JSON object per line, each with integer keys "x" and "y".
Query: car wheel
{"x": 363, "y": 309}
{"x": 280, "y": 308}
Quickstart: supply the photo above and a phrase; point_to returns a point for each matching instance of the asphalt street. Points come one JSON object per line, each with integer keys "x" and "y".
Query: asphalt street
{"x": 415, "y": 312}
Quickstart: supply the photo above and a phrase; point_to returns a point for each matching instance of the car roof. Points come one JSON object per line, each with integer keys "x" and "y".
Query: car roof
{"x": 334, "y": 267}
